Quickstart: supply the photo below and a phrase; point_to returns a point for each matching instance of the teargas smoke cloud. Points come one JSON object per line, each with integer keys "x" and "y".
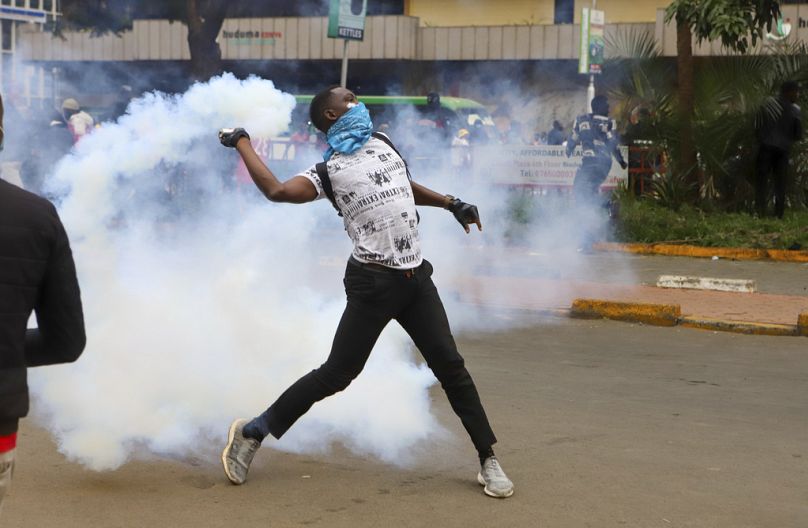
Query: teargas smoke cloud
{"x": 203, "y": 307}
{"x": 204, "y": 303}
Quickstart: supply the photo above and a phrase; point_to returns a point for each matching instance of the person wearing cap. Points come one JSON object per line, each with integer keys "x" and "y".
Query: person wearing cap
{"x": 461, "y": 156}
{"x": 79, "y": 122}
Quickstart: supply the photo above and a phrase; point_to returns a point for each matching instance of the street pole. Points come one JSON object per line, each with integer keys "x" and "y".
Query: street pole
{"x": 344, "y": 75}
{"x": 590, "y": 91}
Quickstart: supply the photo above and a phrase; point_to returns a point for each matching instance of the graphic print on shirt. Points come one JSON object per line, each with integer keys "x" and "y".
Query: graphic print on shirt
{"x": 595, "y": 134}
{"x": 375, "y": 198}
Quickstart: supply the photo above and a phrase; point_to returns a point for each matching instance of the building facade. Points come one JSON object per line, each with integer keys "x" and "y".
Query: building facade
{"x": 452, "y": 46}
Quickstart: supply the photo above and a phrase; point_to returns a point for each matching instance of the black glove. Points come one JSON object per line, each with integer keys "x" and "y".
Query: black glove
{"x": 623, "y": 164}
{"x": 230, "y": 136}
{"x": 464, "y": 213}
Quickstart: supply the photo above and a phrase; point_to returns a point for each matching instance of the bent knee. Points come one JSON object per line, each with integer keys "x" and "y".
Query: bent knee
{"x": 335, "y": 380}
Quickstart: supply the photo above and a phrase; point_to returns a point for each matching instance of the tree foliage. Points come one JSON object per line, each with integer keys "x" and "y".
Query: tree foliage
{"x": 732, "y": 94}
{"x": 204, "y": 19}
{"x": 732, "y": 22}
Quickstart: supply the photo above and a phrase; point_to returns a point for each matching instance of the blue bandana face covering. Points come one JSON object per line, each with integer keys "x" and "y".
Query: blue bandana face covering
{"x": 350, "y": 132}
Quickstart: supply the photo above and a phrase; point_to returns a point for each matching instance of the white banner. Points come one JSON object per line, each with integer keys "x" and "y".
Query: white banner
{"x": 537, "y": 166}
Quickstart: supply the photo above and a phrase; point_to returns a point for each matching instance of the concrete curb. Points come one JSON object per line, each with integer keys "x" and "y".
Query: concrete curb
{"x": 671, "y": 315}
{"x": 652, "y": 314}
{"x": 674, "y": 250}
{"x": 739, "y": 327}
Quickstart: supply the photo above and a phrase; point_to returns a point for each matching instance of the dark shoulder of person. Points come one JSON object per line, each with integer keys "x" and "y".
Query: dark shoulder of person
{"x": 24, "y": 212}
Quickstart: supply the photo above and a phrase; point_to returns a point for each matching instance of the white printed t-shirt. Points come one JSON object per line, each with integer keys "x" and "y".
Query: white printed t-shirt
{"x": 374, "y": 195}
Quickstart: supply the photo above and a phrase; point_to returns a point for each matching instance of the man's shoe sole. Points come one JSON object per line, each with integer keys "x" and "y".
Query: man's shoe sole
{"x": 481, "y": 480}
{"x": 231, "y": 434}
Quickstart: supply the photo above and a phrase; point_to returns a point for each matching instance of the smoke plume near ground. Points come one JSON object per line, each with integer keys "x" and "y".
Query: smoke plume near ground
{"x": 205, "y": 303}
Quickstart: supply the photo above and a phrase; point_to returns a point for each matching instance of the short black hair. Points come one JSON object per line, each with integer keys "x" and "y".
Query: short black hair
{"x": 789, "y": 87}
{"x": 319, "y": 104}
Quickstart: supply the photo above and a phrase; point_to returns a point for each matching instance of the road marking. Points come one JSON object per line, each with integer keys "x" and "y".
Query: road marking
{"x": 707, "y": 283}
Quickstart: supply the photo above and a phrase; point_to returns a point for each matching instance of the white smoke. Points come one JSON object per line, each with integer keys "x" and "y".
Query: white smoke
{"x": 206, "y": 306}
{"x": 203, "y": 309}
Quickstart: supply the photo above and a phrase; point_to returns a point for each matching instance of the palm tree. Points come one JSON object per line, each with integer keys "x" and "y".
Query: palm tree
{"x": 734, "y": 23}
{"x": 731, "y": 95}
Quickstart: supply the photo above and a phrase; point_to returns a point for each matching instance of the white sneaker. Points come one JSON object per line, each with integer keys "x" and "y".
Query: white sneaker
{"x": 238, "y": 453}
{"x": 496, "y": 483}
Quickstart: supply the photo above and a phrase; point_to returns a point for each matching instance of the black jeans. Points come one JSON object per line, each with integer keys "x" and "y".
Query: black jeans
{"x": 775, "y": 161}
{"x": 588, "y": 179}
{"x": 375, "y": 296}
{"x": 588, "y": 201}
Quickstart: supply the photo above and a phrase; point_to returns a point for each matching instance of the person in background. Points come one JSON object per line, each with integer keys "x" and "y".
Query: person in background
{"x": 508, "y": 132}
{"x": 37, "y": 274}
{"x": 597, "y": 135}
{"x": 461, "y": 156}
{"x": 556, "y": 134}
{"x": 478, "y": 134}
{"x": 435, "y": 111}
{"x": 539, "y": 138}
{"x": 779, "y": 128}
{"x": 79, "y": 122}
{"x": 55, "y": 141}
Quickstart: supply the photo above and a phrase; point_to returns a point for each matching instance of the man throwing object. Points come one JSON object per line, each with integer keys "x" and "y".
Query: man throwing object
{"x": 386, "y": 277}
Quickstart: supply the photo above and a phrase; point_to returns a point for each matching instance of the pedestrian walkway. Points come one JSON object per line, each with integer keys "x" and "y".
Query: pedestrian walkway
{"x": 548, "y": 294}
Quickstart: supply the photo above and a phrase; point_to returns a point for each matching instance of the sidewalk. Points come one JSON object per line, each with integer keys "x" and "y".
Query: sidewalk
{"x": 775, "y": 310}
{"x": 548, "y": 294}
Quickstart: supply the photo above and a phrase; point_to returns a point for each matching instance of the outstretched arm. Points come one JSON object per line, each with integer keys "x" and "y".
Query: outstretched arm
{"x": 295, "y": 190}
{"x": 428, "y": 197}
{"x": 465, "y": 213}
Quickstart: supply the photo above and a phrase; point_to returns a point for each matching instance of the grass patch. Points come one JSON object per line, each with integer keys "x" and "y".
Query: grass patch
{"x": 647, "y": 222}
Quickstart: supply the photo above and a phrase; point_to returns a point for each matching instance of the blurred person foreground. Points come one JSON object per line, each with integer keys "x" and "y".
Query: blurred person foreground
{"x": 37, "y": 275}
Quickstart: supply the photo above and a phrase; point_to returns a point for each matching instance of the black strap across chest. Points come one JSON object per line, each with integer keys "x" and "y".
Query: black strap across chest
{"x": 325, "y": 179}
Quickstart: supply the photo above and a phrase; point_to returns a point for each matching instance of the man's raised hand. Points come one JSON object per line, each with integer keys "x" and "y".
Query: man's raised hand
{"x": 230, "y": 136}
{"x": 465, "y": 213}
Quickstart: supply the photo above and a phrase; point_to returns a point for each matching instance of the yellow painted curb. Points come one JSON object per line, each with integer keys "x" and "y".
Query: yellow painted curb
{"x": 802, "y": 324}
{"x": 675, "y": 250}
{"x": 740, "y": 327}
{"x": 652, "y": 314}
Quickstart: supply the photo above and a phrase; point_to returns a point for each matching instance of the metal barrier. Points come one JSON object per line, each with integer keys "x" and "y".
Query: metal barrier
{"x": 643, "y": 163}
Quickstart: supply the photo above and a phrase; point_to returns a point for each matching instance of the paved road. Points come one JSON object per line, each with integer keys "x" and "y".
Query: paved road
{"x": 601, "y": 424}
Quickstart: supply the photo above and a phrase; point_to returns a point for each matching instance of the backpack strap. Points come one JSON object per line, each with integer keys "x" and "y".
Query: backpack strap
{"x": 325, "y": 181}
{"x": 383, "y": 137}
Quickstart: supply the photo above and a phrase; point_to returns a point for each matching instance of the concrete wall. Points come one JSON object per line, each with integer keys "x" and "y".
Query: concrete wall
{"x": 386, "y": 37}
{"x": 508, "y": 42}
{"x": 293, "y": 38}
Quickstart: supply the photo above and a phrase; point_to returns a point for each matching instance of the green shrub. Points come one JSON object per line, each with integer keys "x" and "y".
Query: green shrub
{"x": 648, "y": 222}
